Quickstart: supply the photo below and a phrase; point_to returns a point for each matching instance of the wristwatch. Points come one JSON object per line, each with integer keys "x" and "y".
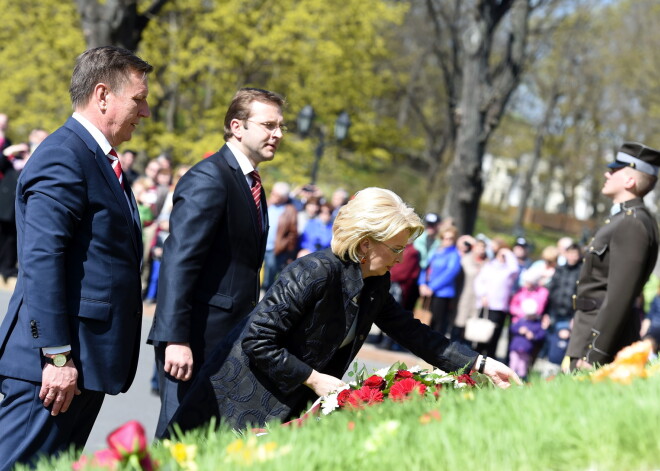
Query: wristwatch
{"x": 58, "y": 360}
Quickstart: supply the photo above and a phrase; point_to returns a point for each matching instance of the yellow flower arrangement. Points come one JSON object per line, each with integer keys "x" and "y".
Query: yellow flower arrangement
{"x": 628, "y": 364}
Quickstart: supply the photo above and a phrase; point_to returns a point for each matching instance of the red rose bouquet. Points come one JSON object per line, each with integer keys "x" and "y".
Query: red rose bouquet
{"x": 396, "y": 383}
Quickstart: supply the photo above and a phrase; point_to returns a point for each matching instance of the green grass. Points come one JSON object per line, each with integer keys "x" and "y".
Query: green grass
{"x": 564, "y": 424}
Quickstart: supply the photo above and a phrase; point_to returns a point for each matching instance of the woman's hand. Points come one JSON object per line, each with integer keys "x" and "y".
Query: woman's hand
{"x": 501, "y": 375}
{"x": 323, "y": 384}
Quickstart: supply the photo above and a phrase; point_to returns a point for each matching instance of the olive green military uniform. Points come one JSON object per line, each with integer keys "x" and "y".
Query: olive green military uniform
{"x": 617, "y": 264}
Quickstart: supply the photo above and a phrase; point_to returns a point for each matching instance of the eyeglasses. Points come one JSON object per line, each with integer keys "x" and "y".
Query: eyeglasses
{"x": 271, "y": 127}
{"x": 394, "y": 251}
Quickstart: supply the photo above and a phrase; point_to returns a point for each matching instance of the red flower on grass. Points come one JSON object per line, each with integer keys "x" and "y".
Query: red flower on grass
{"x": 128, "y": 446}
{"x": 404, "y": 388}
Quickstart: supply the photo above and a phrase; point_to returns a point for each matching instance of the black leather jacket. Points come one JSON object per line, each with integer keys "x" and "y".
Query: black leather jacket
{"x": 299, "y": 326}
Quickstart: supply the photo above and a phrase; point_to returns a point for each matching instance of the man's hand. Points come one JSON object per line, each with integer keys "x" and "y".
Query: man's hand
{"x": 59, "y": 386}
{"x": 583, "y": 365}
{"x": 323, "y": 384}
{"x": 179, "y": 360}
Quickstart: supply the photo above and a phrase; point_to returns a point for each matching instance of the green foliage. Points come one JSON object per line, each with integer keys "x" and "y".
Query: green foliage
{"x": 310, "y": 51}
{"x": 40, "y": 40}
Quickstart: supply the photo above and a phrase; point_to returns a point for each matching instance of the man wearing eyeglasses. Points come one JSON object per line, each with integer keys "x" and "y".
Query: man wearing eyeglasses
{"x": 617, "y": 263}
{"x": 209, "y": 276}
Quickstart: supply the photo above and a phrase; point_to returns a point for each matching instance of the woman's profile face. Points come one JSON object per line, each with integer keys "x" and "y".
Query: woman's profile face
{"x": 380, "y": 257}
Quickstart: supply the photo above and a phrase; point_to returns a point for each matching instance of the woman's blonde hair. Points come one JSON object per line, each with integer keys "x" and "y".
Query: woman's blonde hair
{"x": 375, "y": 213}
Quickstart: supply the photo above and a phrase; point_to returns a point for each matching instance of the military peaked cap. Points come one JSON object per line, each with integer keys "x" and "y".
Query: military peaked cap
{"x": 637, "y": 156}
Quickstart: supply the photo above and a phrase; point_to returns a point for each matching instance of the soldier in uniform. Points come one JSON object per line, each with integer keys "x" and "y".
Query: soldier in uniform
{"x": 618, "y": 261}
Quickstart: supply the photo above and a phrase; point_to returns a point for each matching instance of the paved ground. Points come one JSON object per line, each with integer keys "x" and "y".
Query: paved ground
{"x": 139, "y": 404}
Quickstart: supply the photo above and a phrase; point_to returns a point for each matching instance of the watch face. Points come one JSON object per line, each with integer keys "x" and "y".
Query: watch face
{"x": 59, "y": 360}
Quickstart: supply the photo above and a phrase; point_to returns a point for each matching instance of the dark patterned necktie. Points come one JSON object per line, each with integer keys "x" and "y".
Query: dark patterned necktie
{"x": 256, "y": 195}
{"x": 116, "y": 166}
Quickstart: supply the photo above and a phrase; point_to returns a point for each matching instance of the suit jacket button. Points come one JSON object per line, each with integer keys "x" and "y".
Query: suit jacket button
{"x": 361, "y": 337}
{"x": 254, "y": 303}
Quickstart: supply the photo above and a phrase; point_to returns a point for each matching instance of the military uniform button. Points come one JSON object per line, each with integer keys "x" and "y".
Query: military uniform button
{"x": 607, "y": 221}
{"x": 629, "y": 212}
{"x": 591, "y": 248}
{"x": 590, "y": 346}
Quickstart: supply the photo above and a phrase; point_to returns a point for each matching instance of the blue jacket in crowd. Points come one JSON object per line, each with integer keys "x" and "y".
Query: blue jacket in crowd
{"x": 444, "y": 266}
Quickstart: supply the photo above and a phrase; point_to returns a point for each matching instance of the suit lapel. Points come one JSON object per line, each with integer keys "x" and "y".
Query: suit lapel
{"x": 129, "y": 213}
{"x": 246, "y": 193}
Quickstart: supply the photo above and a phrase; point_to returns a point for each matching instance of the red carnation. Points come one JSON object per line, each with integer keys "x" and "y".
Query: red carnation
{"x": 405, "y": 387}
{"x": 375, "y": 382}
{"x": 364, "y": 396}
{"x": 369, "y": 395}
{"x": 402, "y": 374}
{"x": 467, "y": 379}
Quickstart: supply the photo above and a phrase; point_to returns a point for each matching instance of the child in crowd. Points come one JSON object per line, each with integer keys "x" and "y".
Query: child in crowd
{"x": 527, "y": 333}
{"x": 531, "y": 290}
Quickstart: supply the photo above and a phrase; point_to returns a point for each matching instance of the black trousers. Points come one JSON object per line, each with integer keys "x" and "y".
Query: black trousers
{"x": 8, "y": 248}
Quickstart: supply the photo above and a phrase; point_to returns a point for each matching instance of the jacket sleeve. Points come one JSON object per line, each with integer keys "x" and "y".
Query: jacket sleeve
{"x": 629, "y": 250}
{"x": 291, "y": 298}
{"x": 198, "y": 207}
{"x": 421, "y": 340}
{"x": 53, "y": 193}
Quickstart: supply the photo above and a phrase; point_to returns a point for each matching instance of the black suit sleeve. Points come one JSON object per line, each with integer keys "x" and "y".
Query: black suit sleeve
{"x": 199, "y": 204}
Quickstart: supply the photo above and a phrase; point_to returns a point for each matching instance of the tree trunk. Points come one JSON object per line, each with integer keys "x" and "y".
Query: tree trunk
{"x": 115, "y": 22}
{"x": 487, "y": 84}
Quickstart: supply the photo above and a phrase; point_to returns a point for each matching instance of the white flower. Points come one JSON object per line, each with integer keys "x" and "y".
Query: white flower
{"x": 415, "y": 369}
{"x": 382, "y": 372}
{"x": 329, "y": 402}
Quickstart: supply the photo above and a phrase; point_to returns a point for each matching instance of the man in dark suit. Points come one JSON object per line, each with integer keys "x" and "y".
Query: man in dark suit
{"x": 617, "y": 263}
{"x": 209, "y": 276}
{"x": 72, "y": 330}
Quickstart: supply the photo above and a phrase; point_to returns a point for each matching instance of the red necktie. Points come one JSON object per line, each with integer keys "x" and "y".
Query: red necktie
{"x": 116, "y": 166}
{"x": 256, "y": 194}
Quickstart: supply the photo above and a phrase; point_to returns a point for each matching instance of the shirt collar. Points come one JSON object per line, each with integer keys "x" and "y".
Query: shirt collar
{"x": 241, "y": 158}
{"x": 98, "y": 136}
{"x": 616, "y": 208}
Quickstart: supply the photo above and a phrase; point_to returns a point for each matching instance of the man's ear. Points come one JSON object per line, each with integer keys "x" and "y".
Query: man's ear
{"x": 631, "y": 183}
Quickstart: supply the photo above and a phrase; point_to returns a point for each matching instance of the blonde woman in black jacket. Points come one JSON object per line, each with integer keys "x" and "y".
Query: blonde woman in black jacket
{"x": 303, "y": 335}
